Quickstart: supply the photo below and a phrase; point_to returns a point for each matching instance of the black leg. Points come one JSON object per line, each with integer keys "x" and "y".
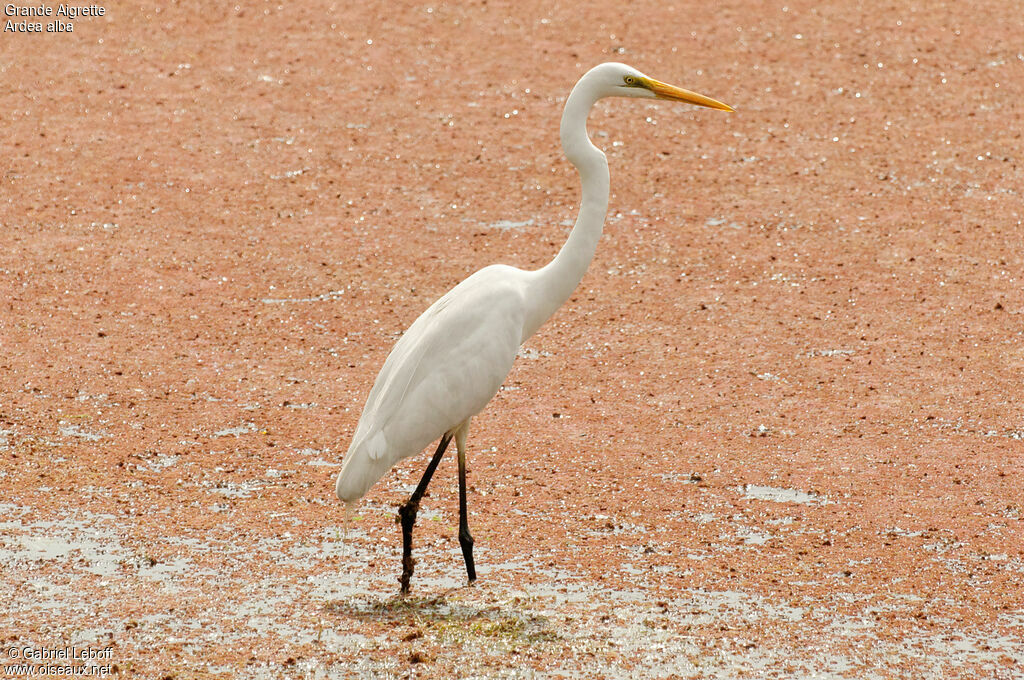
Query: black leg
{"x": 407, "y": 513}
{"x": 465, "y": 539}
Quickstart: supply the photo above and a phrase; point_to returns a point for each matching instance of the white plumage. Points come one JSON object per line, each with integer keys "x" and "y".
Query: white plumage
{"x": 454, "y": 357}
{"x": 441, "y": 372}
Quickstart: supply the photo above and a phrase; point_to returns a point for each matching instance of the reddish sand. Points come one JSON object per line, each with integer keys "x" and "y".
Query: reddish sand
{"x": 776, "y": 432}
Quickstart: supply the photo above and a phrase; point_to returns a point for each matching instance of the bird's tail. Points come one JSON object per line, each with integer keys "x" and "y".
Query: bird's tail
{"x": 364, "y": 464}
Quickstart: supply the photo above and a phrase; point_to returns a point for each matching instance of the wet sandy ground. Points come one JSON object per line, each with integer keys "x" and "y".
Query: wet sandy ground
{"x": 776, "y": 433}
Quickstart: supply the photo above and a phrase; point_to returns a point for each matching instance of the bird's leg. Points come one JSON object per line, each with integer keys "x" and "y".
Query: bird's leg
{"x": 465, "y": 539}
{"x": 407, "y": 513}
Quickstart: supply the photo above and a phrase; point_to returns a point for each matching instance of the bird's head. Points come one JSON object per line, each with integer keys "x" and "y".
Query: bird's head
{"x": 619, "y": 80}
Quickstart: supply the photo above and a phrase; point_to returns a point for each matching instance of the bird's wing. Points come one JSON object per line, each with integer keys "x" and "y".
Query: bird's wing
{"x": 446, "y": 366}
{"x": 424, "y": 338}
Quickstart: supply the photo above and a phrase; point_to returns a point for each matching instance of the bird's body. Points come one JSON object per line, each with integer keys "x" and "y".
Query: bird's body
{"x": 442, "y": 371}
{"x": 452, "y": 360}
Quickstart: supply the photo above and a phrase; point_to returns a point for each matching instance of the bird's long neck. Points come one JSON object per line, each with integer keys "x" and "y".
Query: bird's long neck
{"x": 552, "y": 285}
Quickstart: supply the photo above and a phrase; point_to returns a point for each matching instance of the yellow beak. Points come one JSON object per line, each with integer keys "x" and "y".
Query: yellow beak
{"x": 678, "y": 94}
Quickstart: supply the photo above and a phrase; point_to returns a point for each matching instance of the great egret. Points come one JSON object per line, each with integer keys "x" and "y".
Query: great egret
{"x": 455, "y": 356}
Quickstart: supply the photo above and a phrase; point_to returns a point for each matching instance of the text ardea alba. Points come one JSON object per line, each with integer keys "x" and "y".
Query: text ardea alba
{"x": 455, "y": 356}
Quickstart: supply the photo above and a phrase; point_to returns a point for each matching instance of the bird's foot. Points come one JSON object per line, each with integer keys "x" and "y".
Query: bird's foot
{"x": 466, "y": 542}
{"x": 407, "y": 518}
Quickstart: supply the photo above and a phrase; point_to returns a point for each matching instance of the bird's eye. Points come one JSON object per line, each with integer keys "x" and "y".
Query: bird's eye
{"x": 630, "y": 80}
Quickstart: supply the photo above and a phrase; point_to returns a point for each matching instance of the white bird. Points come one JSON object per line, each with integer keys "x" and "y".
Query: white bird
{"x": 455, "y": 356}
